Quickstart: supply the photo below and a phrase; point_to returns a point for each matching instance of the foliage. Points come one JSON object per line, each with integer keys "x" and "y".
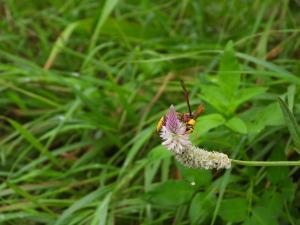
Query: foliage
{"x": 83, "y": 84}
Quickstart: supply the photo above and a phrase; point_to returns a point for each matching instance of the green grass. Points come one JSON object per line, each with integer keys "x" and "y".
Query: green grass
{"x": 83, "y": 84}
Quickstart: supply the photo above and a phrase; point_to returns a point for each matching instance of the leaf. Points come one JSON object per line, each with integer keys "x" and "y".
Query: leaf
{"x": 248, "y": 93}
{"x": 214, "y": 96}
{"x": 101, "y": 212}
{"x": 222, "y": 185}
{"x": 291, "y": 96}
{"x": 237, "y": 125}
{"x": 229, "y": 72}
{"x": 60, "y": 43}
{"x": 273, "y": 201}
{"x": 208, "y": 122}
{"x": 31, "y": 198}
{"x": 291, "y": 124}
{"x": 268, "y": 116}
{"x": 262, "y": 216}
{"x": 171, "y": 193}
{"x": 280, "y": 72}
{"x": 141, "y": 138}
{"x": 278, "y": 174}
{"x": 79, "y": 204}
{"x": 117, "y": 27}
{"x": 233, "y": 210}
{"x": 108, "y": 7}
{"x": 32, "y": 139}
{"x": 288, "y": 189}
{"x": 23, "y": 215}
{"x": 200, "y": 177}
{"x": 202, "y": 207}
{"x": 268, "y": 210}
{"x": 158, "y": 153}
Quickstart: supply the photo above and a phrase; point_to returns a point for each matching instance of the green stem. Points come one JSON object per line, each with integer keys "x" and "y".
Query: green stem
{"x": 265, "y": 163}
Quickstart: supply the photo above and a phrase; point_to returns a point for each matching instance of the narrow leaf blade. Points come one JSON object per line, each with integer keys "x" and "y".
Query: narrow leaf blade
{"x": 229, "y": 72}
{"x": 291, "y": 124}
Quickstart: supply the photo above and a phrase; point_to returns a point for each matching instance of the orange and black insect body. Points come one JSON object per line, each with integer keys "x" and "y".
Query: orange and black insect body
{"x": 188, "y": 118}
{"x": 160, "y": 123}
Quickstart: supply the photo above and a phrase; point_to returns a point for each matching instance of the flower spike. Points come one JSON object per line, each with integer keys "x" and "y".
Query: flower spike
{"x": 173, "y": 133}
{"x": 176, "y": 139}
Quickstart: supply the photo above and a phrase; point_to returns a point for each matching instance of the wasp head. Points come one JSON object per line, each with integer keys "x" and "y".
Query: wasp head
{"x": 186, "y": 117}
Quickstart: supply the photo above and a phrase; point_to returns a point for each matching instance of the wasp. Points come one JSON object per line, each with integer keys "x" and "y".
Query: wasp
{"x": 188, "y": 118}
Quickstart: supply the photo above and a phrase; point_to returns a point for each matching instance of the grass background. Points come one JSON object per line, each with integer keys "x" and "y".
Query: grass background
{"x": 84, "y": 82}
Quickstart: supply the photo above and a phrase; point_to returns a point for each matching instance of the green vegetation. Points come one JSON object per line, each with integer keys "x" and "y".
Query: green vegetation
{"x": 84, "y": 82}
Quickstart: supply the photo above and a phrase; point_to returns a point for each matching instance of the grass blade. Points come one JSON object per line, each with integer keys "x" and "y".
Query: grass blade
{"x": 81, "y": 203}
{"x": 291, "y": 124}
{"x": 59, "y": 44}
{"x": 31, "y": 198}
{"x": 101, "y": 212}
{"x": 107, "y": 9}
{"x": 31, "y": 139}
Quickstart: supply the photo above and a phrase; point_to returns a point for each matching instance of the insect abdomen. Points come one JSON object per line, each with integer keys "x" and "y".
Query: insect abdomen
{"x": 160, "y": 123}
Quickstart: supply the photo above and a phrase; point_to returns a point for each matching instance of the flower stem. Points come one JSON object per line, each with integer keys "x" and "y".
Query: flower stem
{"x": 265, "y": 163}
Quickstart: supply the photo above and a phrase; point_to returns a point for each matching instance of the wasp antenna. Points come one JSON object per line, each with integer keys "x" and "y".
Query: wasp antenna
{"x": 186, "y": 95}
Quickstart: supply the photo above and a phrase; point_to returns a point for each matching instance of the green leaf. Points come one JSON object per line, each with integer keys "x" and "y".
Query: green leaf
{"x": 268, "y": 210}
{"x": 291, "y": 124}
{"x": 60, "y": 43}
{"x": 79, "y": 204}
{"x": 233, "y": 210}
{"x": 31, "y": 198}
{"x": 229, "y": 72}
{"x": 202, "y": 207}
{"x": 158, "y": 153}
{"x": 261, "y": 216}
{"x": 108, "y": 7}
{"x": 280, "y": 72}
{"x": 200, "y": 177}
{"x": 268, "y": 116}
{"x": 215, "y": 97}
{"x": 31, "y": 139}
{"x": 141, "y": 138}
{"x": 171, "y": 193}
{"x": 291, "y": 96}
{"x": 237, "y": 125}
{"x": 278, "y": 174}
{"x": 208, "y": 122}
{"x": 100, "y": 216}
{"x": 248, "y": 93}
{"x": 273, "y": 201}
{"x": 288, "y": 189}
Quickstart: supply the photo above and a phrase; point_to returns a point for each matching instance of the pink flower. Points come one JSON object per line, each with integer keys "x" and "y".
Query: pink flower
{"x": 172, "y": 122}
{"x": 176, "y": 140}
{"x": 174, "y": 134}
